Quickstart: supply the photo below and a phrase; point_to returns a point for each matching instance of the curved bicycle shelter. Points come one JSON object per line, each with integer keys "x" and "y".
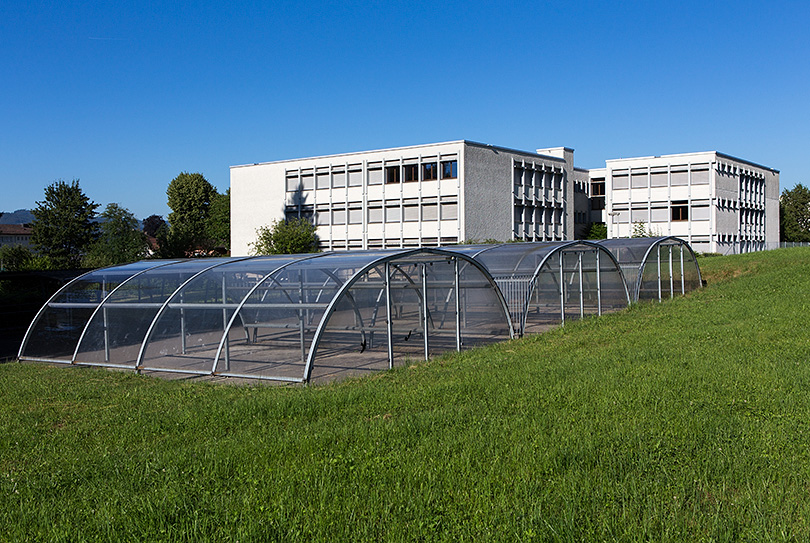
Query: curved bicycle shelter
{"x": 547, "y": 283}
{"x": 321, "y": 316}
{"x": 286, "y": 317}
{"x": 656, "y": 268}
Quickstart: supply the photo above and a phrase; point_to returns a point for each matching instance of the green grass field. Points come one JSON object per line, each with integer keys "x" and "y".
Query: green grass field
{"x": 682, "y": 421}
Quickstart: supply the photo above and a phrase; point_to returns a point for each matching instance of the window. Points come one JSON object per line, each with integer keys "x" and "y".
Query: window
{"x": 638, "y": 180}
{"x": 375, "y": 176}
{"x": 430, "y": 212}
{"x": 598, "y": 203}
{"x": 430, "y": 171}
{"x": 375, "y": 215}
{"x": 598, "y": 188}
{"x": 322, "y": 180}
{"x": 322, "y": 218}
{"x": 411, "y": 172}
{"x": 410, "y": 213}
{"x": 659, "y": 214}
{"x": 307, "y": 182}
{"x": 338, "y": 179}
{"x": 356, "y": 178}
{"x": 700, "y": 213}
{"x": 339, "y": 216}
{"x": 356, "y": 216}
{"x": 393, "y": 214}
{"x": 392, "y": 174}
{"x": 658, "y": 177}
{"x": 292, "y": 182}
{"x": 449, "y": 211}
{"x": 680, "y": 211}
{"x": 700, "y": 175}
{"x": 620, "y": 180}
{"x": 679, "y": 178}
{"x": 449, "y": 169}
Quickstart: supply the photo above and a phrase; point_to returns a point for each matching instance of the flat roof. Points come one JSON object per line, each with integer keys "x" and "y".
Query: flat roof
{"x": 407, "y": 148}
{"x": 681, "y": 155}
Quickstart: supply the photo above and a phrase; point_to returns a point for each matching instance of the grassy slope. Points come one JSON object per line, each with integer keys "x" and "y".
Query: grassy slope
{"x": 688, "y": 420}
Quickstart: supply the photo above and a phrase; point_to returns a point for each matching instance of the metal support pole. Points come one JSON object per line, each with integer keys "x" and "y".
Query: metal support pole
{"x": 671, "y": 278}
{"x": 581, "y": 288}
{"x": 388, "y": 316}
{"x": 562, "y": 290}
{"x": 182, "y": 326}
{"x": 683, "y": 280}
{"x": 658, "y": 269}
{"x": 301, "y": 316}
{"x": 425, "y": 310}
{"x": 458, "y": 304}
{"x": 598, "y": 285}
{"x": 106, "y": 335}
{"x": 225, "y": 324}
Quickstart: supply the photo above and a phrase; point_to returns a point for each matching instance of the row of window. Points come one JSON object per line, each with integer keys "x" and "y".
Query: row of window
{"x": 376, "y": 174}
{"x": 376, "y": 213}
{"x": 529, "y": 215}
{"x": 677, "y": 211}
{"x": 528, "y": 177}
{"x": 661, "y": 177}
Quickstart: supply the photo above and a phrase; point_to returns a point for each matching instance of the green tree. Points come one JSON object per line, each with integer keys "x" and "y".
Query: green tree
{"x": 152, "y": 224}
{"x": 120, "y": 241}
{"x": 190, "y": 196}
{"x": 794, "y": 214}
{"x": 219, "y": 220}
{"x": 598, "y": 230}
{"x": 16, "y": 258}
{"x": 63, "y": 227}
{"x": 285, "y": 237}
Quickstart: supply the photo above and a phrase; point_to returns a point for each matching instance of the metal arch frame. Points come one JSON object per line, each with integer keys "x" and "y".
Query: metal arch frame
{"x": 38, "y": 316}
{"x": 657, "y": 243}
{"x": 148, "y": 335}
{"x": 384, "y": 260}
{"x": 101, "y": 306}
{"x": 239, "y": 307}
{"x": 560, "y": 249}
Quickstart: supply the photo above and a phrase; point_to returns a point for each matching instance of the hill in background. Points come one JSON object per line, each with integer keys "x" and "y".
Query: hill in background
{"x": 21, "y": 216}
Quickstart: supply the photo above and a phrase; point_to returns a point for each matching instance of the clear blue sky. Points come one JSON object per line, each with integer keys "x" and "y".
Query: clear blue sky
{"x": 126, "y": 95}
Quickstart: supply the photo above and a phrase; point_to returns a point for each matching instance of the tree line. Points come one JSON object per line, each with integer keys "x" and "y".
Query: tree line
{"x": 69, "y": 233}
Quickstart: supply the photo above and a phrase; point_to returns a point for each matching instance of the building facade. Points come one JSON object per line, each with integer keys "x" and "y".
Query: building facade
{"x": 462, "y": 191}
{"x": 426, "y": 195}
{"x": 15, "y": 234}
{"x": 716, "y": 202}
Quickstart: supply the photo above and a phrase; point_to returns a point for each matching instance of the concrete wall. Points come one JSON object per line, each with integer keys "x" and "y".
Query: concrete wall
{"x": 487, "y": 193}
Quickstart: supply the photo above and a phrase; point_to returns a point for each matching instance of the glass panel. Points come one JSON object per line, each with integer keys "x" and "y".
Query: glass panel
{"x": 187, "y": 334}
{"x": 116, "y": 332}
{"x": 55, "y": 334}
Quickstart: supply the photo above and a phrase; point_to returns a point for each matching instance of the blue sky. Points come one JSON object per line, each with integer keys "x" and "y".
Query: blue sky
{"x": 126, "y": 95}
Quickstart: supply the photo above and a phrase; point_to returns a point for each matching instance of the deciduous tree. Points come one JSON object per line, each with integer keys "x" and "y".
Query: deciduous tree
{"x": 190, "y": 197}
{"x": 286, "y": 237}
{"x": 63, "y": 227}
{"x": 152, "y": 224}
{"x": 794, "y": 214}
{"x": 219, "y": 220}
{"x": 120, "y": 241}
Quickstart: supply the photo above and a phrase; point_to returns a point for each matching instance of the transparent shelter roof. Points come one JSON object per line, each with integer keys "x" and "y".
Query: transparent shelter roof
{"x": 656, "y": 268}
{"x": 322, "y": 316}
{"x": 287, "y": 317}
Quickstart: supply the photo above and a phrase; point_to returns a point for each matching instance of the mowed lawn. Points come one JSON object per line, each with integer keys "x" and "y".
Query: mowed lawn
{"x": 687, "y": 420}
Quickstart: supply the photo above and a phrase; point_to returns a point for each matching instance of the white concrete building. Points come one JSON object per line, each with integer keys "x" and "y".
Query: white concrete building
{"x": 425, "y": 195}
{"x": 716, "y": 202}
{"x": 446, "y": 193}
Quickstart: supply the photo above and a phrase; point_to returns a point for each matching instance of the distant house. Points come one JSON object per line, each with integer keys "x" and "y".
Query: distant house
{"x": 15, "y": 234}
